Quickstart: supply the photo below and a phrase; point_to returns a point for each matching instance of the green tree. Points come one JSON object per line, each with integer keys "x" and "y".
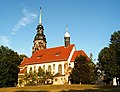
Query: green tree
{"x": 109, "y": 58}
{"x": 41, "y": 76}
{"x": 22, "y": 56}
{"x": 107, "y": 63}
{"x": 32, "y": 78}
{"x": 83, "y": 71}
{"x": 49, "y": 77}
{"x": 9, "y": 61}
{"x": 21, "y": 80}
{"x": 115, "y": 46}
{"x": 38, "y": 78}
{"x": 26, "y": 77}
{"x": 44, "y": 76}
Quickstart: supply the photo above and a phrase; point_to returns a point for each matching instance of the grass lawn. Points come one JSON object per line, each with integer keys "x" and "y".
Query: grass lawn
{"x": 62, "y": 88}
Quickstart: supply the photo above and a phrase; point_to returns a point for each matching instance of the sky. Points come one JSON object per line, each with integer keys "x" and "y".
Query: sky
{"x": 90, "y": 23}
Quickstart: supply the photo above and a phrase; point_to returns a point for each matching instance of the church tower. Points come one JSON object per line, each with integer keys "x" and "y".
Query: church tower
{"x": 67, "y": 38}
{"x": 40, "y": 39}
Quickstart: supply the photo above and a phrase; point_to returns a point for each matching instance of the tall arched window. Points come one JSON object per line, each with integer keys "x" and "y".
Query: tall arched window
{"x": 39, "y": 68}
{"x": 30, "y": 69}
{"x": 34, "y": 69}
{"x": 53, "y": 66}
{"x": 49, "y": 68}
{"x": 44, "y": 67}
{"x": 60, "y": 69}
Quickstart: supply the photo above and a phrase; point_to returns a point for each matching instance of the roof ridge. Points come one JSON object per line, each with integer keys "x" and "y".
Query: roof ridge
{"x": 79, "y": 50}
{"x": 60, "y": 46}
{"x": 55, "y": 47}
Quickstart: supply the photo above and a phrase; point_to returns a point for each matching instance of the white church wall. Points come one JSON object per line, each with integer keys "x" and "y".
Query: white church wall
{"x": 72, "y": 64}
{"x": 28, "y": 68}
{"x": 46, "y": 66}
{"x": 71, "y": 54}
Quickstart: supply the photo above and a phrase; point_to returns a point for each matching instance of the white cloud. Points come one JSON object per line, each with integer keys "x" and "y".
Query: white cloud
{"x": 5, "y": 40}
{"x": 28, "y": 17}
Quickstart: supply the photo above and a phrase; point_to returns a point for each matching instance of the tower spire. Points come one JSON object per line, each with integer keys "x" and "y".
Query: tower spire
{"x": 67, "y": 34}
{"x": 40, "y": 39}
{"x": 67, "y": 37}
{"x": 40, "y": 20}
{"x": 66, "y": 28}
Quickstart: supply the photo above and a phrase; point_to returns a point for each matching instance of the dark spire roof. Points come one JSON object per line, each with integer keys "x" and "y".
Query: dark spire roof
{"x": 40, "y": 29}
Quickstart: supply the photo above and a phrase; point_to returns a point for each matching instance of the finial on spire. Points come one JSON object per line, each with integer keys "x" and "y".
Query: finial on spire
{"x": 67, "y": 37}
{"x": 67, "y": 34}
{"x": 40, "y": 20}
{"x": 66, "y": 28}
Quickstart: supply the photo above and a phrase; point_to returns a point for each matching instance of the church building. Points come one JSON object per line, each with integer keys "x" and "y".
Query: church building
{"x": 57, "y": 60}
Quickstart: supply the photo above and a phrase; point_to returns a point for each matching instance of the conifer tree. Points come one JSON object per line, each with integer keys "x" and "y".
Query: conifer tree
{"x": 83, "y": 71}
{"x": 109, "y": 59}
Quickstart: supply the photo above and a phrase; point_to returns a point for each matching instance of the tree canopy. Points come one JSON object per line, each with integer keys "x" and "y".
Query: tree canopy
{"x": 9, "y": 61}
{"x": 109, "y": 57}
{"x": 83, "y": 71}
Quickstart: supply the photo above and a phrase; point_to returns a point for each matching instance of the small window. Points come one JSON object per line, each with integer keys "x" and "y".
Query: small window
{"x": 56, "y": 79}
{"x": 36, "y": 49}
{"x": 57, "y": 54}
{"x": 39, "y": 42}
{"x": 39, "y": 56}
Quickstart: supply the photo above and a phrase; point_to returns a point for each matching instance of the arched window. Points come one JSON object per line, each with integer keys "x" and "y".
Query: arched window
{"x": 39, "y": 68}
{"x": 30, "y": 69}
{"x": 44, "y": 67}
{"x": 65, "y": 67}
{"x": 49, "y": 68}
{"x": 53, "y": 66}
{"x": 60, "y": 69}
{"x": 34, "y": 69}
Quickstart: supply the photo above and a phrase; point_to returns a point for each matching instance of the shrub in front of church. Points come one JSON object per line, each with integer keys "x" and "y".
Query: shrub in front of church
{"x": 36, "y": 78}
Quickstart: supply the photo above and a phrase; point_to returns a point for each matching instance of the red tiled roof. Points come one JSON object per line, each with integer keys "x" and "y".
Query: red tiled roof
{"x": 49, "y": 55}
{"x": 77, "y": 53}
{"x": 22, "y": 71}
